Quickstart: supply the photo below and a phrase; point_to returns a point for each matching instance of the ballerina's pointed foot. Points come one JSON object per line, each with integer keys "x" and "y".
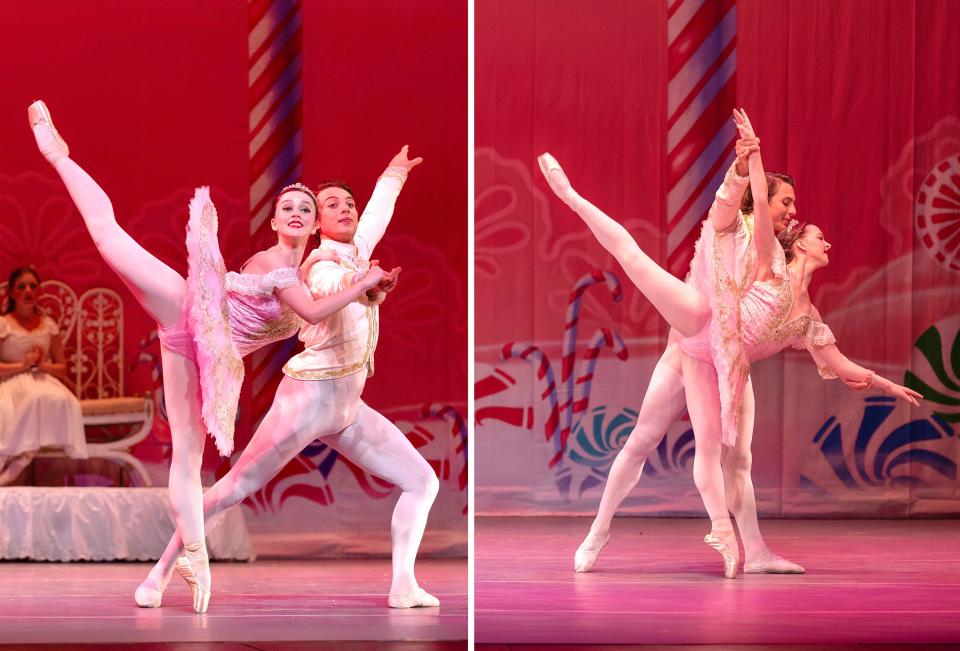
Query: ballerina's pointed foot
{"x": 556, "y": 178}
{"x": 194, "y": 567}
{"x": 418, "y": 598}
{"x": 49, "y": 142}
{"x": 770, "y": 563}
{"x": 726, "y": 544}
{"x": 588, "y": 552}
{"x": 149, "y": 593}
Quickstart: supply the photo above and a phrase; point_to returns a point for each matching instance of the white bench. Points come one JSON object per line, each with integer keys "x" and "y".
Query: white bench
{"x": 92, "y": 330}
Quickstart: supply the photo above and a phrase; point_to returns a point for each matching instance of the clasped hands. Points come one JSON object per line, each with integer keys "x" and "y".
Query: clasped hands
{"x": 385, "y": 281}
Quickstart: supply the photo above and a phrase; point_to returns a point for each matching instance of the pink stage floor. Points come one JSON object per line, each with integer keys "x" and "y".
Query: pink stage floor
{"x": 266, "y": 604}
{"x": 891, "y": 582}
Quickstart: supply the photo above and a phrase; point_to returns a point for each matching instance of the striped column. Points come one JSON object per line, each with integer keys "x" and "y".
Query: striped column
{"x": 701, "y": 91}
{"x": 274, "y": 46}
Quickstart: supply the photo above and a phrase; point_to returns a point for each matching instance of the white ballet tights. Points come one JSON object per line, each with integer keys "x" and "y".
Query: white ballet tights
{"x": 683, "y": 307}
{"x": 661, "y": 406}
{"x": 160, "y": 291}
{"x": 331, "y": 410}
{"x": 703, "y": 405}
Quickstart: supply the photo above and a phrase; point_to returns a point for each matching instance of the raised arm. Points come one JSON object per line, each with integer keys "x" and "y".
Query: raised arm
{"x": 313, "y": 310}
{"x": 726, "y": 203}
{"x": 379, "y": 209}
{"x": 763, "y": 236}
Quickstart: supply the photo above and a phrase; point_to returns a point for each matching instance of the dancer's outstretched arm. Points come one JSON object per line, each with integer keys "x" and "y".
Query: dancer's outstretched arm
{"x": 314, "y": 310}
{"x": 764, "y": 237}
{"x": 681, "y": 305}
{"x": 831, "y": 356}
{"x": 379, "y": 209}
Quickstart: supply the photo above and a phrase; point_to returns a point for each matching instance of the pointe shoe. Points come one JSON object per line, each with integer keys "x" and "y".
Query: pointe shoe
{"x": 53, "y": 148}
{"x": 190, "y": 566}
{"x": 149, "y": 593}
{"x": 588, "y": 552}
{"x": 557, "y": 181}
{"x": 726, "y": 544}
{"x": 548, "y": 163}
{"x": 770, "y": 563}
{"x": 417, "y": 598}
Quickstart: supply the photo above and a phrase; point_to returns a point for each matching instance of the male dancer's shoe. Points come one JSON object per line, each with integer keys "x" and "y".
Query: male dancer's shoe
{"x": 190, "y": 566}
{"x": 770, "y": 563}
{"x": 51, "y": 145}
{"x": 417, "y": 598}
{"x": 726, "y": 543}
{"x": 588, "y": 551}
{"x": 149, "y": 593}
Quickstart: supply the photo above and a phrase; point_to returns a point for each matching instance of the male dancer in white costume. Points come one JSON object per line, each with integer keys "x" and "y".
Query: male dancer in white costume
{"x": 319, "y": 395}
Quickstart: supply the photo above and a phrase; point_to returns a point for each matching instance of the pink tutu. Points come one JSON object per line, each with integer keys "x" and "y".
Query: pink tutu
{"x": 229, "y": 316}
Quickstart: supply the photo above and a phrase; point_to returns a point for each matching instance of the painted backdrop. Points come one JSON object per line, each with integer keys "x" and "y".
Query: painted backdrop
{"x": 155, "y": 99}
{"x": 857, "y": 100}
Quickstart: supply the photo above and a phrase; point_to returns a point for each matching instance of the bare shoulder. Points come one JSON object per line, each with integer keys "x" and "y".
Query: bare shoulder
{"x": 263, "y": 262}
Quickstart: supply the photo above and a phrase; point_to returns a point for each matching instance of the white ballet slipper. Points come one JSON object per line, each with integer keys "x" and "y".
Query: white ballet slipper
{"x": 588, "y": 552}
{"x": 417, "y": 598}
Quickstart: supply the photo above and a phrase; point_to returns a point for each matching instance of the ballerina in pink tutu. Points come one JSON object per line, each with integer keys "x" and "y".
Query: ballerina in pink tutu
{"x": 741, "y": 303}
{"x": 206, "y": 322}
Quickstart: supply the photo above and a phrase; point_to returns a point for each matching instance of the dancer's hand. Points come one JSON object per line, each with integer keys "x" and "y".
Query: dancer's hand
{"x": 898, "y": 391}
{"x": 387, "y": 284}
{"x": 389, "y": 281}
{"x": 401, "y": 159}
{"x": 744, "y": 148}
{"x": 742, "y": 122}
{"x": 859, "y": 385}
{"x": 317, "y": 255}
{"x": 372, "y": 278}
{"x": 32, "y": 358}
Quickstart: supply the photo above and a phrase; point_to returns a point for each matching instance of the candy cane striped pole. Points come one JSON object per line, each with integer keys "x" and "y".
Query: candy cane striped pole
{"x": 570, "y": 327}
{"x": 701, "y": 91}
{"x": 603, "y": 337}
{"x": 534, "y": 355}
{"x": 458, "y": 430}
{"x": 274, "y": 44}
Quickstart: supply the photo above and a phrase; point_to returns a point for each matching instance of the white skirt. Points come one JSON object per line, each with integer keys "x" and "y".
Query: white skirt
{"x": 38, "y": 411}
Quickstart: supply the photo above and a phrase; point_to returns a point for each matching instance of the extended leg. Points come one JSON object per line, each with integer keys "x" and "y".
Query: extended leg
{"x": 158, "y": 288}
{"x": 661, "y": 405}
{"x": 683, "y": 307}
{"x": 376, "y": 445}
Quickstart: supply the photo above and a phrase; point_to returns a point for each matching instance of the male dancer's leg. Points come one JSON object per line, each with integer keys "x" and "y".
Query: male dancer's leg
{"x": 302, "y": 411}
{"x": 737, "y": 466}
{"x": 662, "y": 403}
{"x": 376, "y": 445}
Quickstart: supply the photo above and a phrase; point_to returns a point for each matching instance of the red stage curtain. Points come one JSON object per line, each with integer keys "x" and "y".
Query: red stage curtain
{"x": 860, "y": 102}
{"x": 153, "y": 101}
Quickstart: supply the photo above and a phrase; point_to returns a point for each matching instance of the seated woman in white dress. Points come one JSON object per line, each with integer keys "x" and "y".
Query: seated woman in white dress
{"x": 36, "y": 409}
